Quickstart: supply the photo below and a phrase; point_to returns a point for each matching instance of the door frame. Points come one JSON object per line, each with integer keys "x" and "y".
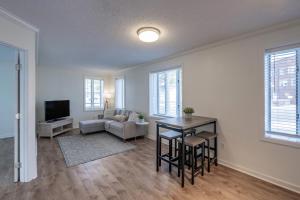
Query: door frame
{"x": 19, "y": 128}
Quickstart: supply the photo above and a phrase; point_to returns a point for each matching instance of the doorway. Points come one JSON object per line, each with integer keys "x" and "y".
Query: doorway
{"x": 11, "y": 60}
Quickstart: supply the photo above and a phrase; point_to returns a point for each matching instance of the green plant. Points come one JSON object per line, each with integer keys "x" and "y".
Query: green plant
{"x": 188, "y": 110}
{"x": 141, "y": 116}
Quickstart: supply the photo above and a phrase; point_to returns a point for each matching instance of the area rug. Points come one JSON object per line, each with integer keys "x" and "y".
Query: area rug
{"x": 78, "y": 149}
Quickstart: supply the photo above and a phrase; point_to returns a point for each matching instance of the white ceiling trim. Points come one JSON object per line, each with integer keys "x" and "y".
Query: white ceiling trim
{"x": 15, "y": 19}
{"x": 218, "y": 43}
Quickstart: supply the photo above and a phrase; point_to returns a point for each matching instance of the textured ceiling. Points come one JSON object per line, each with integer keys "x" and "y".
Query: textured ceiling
{"x": 102, "y": 33}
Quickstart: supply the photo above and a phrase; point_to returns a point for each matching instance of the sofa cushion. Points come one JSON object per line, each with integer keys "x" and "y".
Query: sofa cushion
{"x": 90, "y": 126}
{"x": 108, "y": 114}
{"x": 92, "y": 123}
{"x": 122, "y": 112}
{"x": 133, "y": 116}
{"x": 126, "y": 112}
{"x": 120, "y": 118}
{"x": 115, "y": 125}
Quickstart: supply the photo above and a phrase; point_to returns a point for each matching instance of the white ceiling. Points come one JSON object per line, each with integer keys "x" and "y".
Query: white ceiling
{"x": 102, "y": 33}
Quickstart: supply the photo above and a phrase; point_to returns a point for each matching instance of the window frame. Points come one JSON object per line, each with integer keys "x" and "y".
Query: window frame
{"x": 124, "y": 91}
{"x": 93, "y": 109}
{"x": 178, "y": 88}
{"x": 273, "y": 136}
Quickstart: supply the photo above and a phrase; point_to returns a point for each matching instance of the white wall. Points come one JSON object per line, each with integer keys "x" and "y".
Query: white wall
{"x": 19, "y": 34}
{"x": 227, "y": 82}
{"x": 59, "y": 83}
{"x": 8, "y": 91}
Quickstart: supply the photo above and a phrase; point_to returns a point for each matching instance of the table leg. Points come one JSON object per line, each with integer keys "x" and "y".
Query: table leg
{"x": 208, "y": 155}
{"x": 216, "y": 145}
{"x": 183, "y": 158}
{"x": 157, "y": 146}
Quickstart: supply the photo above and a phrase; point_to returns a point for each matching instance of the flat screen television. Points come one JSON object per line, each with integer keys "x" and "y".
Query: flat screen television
{"x": 55, "y": 110}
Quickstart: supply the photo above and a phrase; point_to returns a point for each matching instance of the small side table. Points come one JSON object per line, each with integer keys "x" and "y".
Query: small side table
{"x": 142, "y": 127}
{"x": 142, "y": 123}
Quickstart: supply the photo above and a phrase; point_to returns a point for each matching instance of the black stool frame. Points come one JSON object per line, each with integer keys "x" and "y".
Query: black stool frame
{"x": 181, "y": 164}
{"x": 168, "y": 157}
{"x": 214, "y": 148}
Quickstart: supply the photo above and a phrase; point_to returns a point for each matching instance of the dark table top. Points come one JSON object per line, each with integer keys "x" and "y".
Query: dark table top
{"x": 182, "y": 123}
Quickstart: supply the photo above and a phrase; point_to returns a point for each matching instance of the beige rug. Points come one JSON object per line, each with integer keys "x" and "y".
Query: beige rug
{"x": 78, "y": 149}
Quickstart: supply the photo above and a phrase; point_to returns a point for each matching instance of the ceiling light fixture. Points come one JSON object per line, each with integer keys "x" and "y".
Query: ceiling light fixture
{"x": 148, "y": 34}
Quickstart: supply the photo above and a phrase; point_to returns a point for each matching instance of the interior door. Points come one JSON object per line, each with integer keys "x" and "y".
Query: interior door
{"x": 17, "y": 118}
{"x": 9, "y": 107}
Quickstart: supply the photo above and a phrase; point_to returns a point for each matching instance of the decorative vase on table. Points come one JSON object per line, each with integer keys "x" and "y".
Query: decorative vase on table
{"x": 188, "y": 112}
{"x": 141, "y": 118}
{"x": 188, "y": 115}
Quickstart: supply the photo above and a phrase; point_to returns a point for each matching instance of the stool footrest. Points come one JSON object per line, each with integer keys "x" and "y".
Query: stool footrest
{"x": 170, "y": 162}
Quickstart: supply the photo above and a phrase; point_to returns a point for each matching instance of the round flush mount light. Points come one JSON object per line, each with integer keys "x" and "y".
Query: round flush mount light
{"x": 148, "y": 34}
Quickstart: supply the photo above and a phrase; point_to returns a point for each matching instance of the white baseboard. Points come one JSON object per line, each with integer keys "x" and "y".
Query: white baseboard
{"x": 270, "y": 179}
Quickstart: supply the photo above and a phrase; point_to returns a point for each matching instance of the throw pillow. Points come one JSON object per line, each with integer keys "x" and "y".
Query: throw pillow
{"x": 108, "y": 114}
{"x": 120, "y": 118}
{"x": 133, "y": 116}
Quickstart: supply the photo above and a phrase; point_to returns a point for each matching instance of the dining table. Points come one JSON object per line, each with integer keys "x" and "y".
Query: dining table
{"x": 182, "y": 125}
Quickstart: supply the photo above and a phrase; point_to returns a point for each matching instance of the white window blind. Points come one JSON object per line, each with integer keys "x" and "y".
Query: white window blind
{"x": 119, "y": 93}
{"x": 282, "y": 91}
{"x": 165, "y": 93}
{"x": 93, "y": 94}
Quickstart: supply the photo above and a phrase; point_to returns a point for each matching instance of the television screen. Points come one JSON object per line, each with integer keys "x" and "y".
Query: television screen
{"x": 57, "y": 109}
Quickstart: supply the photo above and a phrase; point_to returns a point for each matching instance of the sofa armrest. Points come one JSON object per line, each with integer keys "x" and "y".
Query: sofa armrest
{"x": 129, "y": 129}
{"x": 100, "y": 116}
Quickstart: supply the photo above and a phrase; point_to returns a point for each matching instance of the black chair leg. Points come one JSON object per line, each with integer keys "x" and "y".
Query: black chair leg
{"x": 179, "y": 160}
{"x": 208, "y": 155}
{"x": 202, "y": 158}
{"x": 159, "y": 152}
{"x": 170, "y": 155}
{"x": 193, "y": 166}
{"x": 190, "y": 157}
{"x": 216, "y": 151}
{"x": 195, "y": 153}
{"x": 176, "y": 148}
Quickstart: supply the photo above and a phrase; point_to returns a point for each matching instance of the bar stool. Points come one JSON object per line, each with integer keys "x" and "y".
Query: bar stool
{"x": 194, "y": 143}
{"x": 168, "y": 157}
{"x": 208, "y": 136}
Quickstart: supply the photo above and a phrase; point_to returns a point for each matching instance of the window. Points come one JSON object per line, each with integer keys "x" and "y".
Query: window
{"x": 282, "y": 103}
{"x": 119, "y": 93}
{"x": 165, "y": 93}
{"x": 93, "y": 94}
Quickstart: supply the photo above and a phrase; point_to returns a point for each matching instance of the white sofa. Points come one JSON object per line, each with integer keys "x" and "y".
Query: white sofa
{"x": 124, "y": 130}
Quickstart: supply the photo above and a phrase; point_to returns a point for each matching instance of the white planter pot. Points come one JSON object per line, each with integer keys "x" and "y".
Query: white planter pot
{"x": 141, "y": 120}
{"x": 188, "y": 115}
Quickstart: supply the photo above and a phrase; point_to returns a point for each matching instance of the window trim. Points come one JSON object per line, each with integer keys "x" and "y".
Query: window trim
{"x": 124, "y": 91}
{"x": 286, "y": 140}
{"x": 272, "y": 136}
{"x": 101, "y": 95}
{"x": 179, "y": 97}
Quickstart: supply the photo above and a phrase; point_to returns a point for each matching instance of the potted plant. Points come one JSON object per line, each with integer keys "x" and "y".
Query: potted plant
{"x": 141, "y": 118}
{"x": 188, "y": 112}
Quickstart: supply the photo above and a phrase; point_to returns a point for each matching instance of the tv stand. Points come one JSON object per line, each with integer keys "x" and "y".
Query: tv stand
{"x": 53, "y": 128}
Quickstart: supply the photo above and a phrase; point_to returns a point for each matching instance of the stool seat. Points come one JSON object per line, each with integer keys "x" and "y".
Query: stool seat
{"x": 207, "y": 135}
{"x": 192, "y": 140}
{"x": 170, "y": 135}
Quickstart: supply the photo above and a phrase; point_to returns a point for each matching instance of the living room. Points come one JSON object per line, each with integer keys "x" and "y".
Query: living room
{"x": 226, "y": 69}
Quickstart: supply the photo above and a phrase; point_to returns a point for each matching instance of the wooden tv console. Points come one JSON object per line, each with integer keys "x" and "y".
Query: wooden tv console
{"x": 51, "y": 129}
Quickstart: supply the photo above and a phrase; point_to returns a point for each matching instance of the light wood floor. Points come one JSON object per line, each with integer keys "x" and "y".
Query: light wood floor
{"x": 132, "y": 175}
